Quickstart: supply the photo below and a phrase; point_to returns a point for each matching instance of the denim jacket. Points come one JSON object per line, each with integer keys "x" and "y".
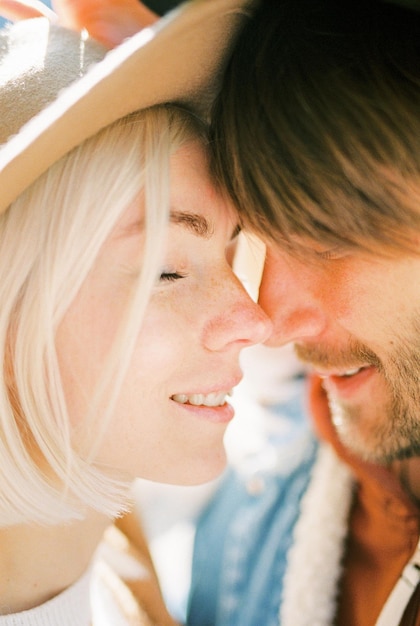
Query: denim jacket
{"x": 244, "y": 534}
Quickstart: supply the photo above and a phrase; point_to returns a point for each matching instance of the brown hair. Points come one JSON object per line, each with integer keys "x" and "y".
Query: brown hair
{"x": 316, "y": 131}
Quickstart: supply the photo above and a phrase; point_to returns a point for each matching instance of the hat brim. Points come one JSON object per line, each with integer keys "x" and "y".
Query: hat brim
{"x": 177, "y": 60}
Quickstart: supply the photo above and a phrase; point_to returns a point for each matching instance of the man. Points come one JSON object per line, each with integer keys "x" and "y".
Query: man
{"x": 317, "y": 130}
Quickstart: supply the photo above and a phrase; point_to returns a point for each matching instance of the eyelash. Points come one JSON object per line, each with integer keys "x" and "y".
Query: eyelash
{"x": 171, "y": 277}
{"x": 330, "y": 255}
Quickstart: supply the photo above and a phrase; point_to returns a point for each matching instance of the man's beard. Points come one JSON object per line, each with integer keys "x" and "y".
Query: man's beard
{"x": 387, "y": 426}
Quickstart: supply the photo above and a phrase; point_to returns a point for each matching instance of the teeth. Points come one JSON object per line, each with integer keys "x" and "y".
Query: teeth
{"x": 199, "y": 399}
{"x": 180, "y": 397}
{"x": 196, "y": 399}
{"x": 352, "y": 372}
{"x": 348, "y": 373}
{"x": 214, "y": 399}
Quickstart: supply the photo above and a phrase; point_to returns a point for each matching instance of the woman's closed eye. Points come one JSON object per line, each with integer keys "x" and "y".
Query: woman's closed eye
{"x": 171, "y": 276}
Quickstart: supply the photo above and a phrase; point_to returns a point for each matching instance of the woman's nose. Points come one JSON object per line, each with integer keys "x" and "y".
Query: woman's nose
{"x": 238, "y": 321}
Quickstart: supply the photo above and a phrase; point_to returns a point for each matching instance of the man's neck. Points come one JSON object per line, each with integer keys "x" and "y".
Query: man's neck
{"x": 408, "y": 471}
{"x": 37, "y": 563}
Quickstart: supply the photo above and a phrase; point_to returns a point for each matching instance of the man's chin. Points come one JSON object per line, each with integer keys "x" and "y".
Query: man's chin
{"x": 373, "y": 450}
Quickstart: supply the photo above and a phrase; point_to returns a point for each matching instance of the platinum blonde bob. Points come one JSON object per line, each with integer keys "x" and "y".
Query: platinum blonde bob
{"x": 49, "y": 239}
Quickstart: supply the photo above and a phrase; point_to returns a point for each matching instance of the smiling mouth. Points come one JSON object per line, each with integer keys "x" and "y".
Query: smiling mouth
{"x": 200, "y": 399}
{"x": 346, "y": 383}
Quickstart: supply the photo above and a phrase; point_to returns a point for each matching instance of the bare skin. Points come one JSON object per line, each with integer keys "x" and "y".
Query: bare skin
{"x": 29, "y": 582}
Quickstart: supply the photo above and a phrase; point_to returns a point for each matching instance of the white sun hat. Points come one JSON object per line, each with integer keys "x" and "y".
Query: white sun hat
{"x": 57, "y": 87}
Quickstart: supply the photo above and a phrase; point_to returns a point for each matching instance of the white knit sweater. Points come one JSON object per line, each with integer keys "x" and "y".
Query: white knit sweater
{"x": 69, "y": 608}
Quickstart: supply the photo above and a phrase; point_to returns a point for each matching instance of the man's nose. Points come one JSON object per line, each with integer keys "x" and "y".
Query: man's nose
{"x": 287, "y": 296}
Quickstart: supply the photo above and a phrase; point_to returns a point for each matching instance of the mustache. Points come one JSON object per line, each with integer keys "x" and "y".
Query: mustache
{"x": 352, "y": 356}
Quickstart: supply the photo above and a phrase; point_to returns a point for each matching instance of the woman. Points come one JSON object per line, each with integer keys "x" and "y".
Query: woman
{"x": 121, "y": 320}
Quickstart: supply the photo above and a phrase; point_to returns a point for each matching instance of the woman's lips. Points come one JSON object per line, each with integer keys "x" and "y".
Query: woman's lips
{"x": 219, "y": 414}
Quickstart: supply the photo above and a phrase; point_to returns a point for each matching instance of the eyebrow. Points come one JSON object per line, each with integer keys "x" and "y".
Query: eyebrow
{"x": 198, "y": 224}
{"x": 195, "y": 223}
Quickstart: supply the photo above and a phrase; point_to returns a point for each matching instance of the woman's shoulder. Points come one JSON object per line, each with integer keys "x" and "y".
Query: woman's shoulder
{"x": 124, "y": 586}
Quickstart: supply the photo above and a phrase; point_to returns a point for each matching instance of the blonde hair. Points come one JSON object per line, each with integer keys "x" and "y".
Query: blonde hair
{"x": 49, "y": 240}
